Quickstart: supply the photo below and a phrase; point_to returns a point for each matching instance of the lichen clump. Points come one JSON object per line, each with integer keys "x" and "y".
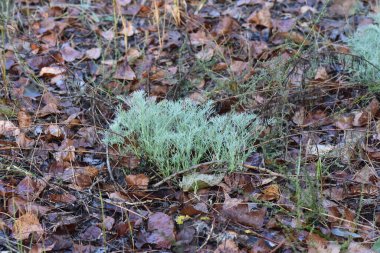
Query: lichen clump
{"x": 177, "y": 135}
{"x": 365, "y": 43}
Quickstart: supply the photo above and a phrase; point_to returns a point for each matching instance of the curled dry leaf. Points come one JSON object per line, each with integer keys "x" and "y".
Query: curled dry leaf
{"x": 25, "y": 225}
{"x": 24, "y": 120}
{"x": 52, "y": 71}
{"x": 8, "y": 129}
{"x": 139, "y": 181}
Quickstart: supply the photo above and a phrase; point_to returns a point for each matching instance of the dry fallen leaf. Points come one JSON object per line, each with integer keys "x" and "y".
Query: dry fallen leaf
{"x": 239, "y": 212}
{"x": 228, "y": 246}
{"x": 124, "y": 72}
{"x": 8, "y": 129}
{"x": 19, "y": 205}
{"x": 139, "y": 181}
{"x": 52, "y": 71}
{"x": 29, "y": 189}
{"x": 225, "y": 26}
{"x": 69, "y": 54}
{"x": 94, "y": 53}
{"x": 25, "y": 225}
{"x": 48, "y": 109}
{"x": 161, "y": 227}
{"x": 272, "y": 192}
{"x": 24, "y": 120}
{"x": 262, "y": 17}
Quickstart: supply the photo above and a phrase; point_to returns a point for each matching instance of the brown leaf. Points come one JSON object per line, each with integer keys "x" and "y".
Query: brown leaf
{"x": 139, "y": 181}
{"x": 48, "y": 109}
{"x": 79, "y": 248}
{"x": 66, "y": 152}
{"x": 49, "y": 98}
{"x": 52, "y": 71}
{"x": 299, "y": 116}
{"x": 6, "y": 189}
{"x": 225, "y": 26}
{"x": 321, "y": 74}
{"x": 123, "y": 2}
{"x": 42, "y": 247}
{"x": 54, "y": 131}
{"x": 8, "y": 129}
{"x": 24, "y": 120}
{"x": 161, "y": 227}
{"x": 228, "y": 246}
{"x": 344, "y": 122}
{"x": 262, "y": 17}
{"x": 367, "y": 175}
{"x": 235, "y": 210}
{"x": 356, "y": 247}
{"x": 199, "y": 38}
{"x": 25, "y": 225}
{"x": 88, "y": 136}
{"x": 260, "y": 246}
{"x": 108, "y": 35}
{"x": 91, "y": 233}
{"x": 361, "y": 119}
{"x": 16, "y": 204}
{"x": 272, "y": 192}
{"x": 38, "y": 62}
{"x": 205, "y": 54}
{"x": 124, "y": 72}
{"x": 108, "y": 222}
{"x": 94, "y": 53}
{"x": 69, "y": 54}
{"x": 62, "y": 198}
{"x": 81, "y": 177}
{"x": 343, "y": 8}
{"x": 30, "y": 189}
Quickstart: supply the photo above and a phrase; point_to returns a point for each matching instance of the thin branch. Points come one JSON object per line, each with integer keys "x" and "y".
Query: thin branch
{"x": 264, "y": 170}
{"x": 184, "y": 171}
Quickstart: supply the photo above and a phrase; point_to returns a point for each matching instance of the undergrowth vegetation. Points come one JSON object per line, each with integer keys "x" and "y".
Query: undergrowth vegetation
{"x": 177, "y": 135}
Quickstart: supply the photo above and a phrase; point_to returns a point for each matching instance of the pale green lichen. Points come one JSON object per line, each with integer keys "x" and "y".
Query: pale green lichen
{"x": 366, "y": 43}
{"x": 174, "y": 136}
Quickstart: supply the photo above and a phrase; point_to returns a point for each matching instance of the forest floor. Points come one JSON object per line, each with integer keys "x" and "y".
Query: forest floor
{"x": 312, "y": 185}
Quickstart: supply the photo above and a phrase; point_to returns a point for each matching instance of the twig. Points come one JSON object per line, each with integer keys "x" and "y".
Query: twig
{"x": 264, "y": 170}
{"x": 184, "y": 171}
{"x": 278, "y": 246}
{"x": 208, "y": 236}
{"x": 109, "y": 165}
